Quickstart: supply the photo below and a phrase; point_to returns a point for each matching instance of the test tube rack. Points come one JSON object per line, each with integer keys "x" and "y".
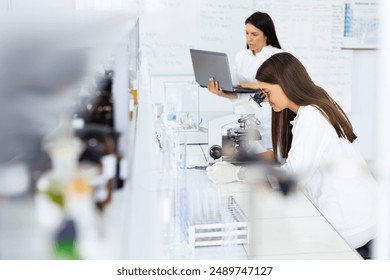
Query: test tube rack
{"x": 230, "y": 228}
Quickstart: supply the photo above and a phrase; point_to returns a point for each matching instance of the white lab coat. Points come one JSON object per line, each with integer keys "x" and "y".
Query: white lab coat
{"x": 333, "y": 175}
{"x": 246, "y": 66}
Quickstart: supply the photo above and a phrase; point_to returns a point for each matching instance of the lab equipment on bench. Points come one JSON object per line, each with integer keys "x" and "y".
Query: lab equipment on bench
{"x": 227, "y": 141}
{"x": 237, "y": 141}
{"x": 181, "y": 109}
{"x": 220, "y": 226}
{"x": 214, "y": 219}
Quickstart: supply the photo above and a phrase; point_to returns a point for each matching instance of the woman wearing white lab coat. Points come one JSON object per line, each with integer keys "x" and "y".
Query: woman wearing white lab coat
{"x": 313, "y": 133}
{"x": 262, "y": 42}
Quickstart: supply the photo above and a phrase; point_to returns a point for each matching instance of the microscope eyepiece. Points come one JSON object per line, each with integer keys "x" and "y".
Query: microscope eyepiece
{"x": 258, "y": 97}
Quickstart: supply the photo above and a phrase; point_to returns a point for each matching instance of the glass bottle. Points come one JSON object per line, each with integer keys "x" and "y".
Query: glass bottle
{"x": 100, "y": 150}
{"x": 102, "y": 111}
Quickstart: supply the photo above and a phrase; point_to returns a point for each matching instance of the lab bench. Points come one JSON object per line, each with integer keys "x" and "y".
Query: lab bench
{"x": 134, "y": 225}
{"x": 281, "y": 227}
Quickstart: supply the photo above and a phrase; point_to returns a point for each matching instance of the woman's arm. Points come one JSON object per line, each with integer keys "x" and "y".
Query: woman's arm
{"x": 267, "y": 156}
{"x": 253, "y": 85}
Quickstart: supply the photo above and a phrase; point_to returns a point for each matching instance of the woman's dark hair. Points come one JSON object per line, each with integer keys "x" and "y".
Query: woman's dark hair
{"x": 264, "y": 22}
{"x": 289, "y": 73}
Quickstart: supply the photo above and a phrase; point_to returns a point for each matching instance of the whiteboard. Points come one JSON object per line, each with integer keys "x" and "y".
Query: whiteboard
{"x": 169, "y": 28}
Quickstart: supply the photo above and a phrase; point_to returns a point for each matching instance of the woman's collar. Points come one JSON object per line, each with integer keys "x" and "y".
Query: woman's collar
{"x": 297, "y": 115}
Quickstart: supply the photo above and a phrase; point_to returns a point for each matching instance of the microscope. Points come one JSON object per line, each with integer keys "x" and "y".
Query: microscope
{"x": 233, "y": 143}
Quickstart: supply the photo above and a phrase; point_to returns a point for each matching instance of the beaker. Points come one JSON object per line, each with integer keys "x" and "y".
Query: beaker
{"x": 181, "y": 105}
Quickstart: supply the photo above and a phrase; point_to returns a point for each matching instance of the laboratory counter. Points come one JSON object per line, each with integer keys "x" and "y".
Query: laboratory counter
{"x": 281, "y": 227}
{"x": 140, "y": 221}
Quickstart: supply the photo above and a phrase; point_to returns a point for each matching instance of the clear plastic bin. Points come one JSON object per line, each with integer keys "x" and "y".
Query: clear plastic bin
{"x": 181, "y": 109}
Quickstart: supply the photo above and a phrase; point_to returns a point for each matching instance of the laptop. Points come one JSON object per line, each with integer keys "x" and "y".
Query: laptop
{"x": 209, "y": 64}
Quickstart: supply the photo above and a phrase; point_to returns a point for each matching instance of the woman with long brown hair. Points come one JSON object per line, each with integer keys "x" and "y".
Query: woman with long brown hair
{"x": 312, "y": 132}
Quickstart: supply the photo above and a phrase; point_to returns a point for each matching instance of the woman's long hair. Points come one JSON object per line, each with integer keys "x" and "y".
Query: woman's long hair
{"x": 264, "y": 22}
{"x": 289, "y": 73}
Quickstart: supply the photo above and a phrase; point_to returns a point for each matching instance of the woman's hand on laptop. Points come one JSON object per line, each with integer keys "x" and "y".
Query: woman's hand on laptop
{"x": 214, "y": 88}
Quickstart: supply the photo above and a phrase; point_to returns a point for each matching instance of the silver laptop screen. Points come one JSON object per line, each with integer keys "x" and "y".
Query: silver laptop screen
{"x": 208, "y": 64}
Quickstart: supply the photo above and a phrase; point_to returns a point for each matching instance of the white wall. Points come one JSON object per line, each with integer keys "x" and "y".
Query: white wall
{"x": 42, "y": 4}
{"x": 382, "y": 135}
{"x": 364, "y": 89}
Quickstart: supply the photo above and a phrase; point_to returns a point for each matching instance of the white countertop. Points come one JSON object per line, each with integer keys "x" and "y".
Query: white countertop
{"x": 281, "y": 227}
{"x": 137, "y": 222}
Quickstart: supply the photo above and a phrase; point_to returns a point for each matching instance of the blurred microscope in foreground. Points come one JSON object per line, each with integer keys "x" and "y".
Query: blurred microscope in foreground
{"x": 57, "y": 174}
